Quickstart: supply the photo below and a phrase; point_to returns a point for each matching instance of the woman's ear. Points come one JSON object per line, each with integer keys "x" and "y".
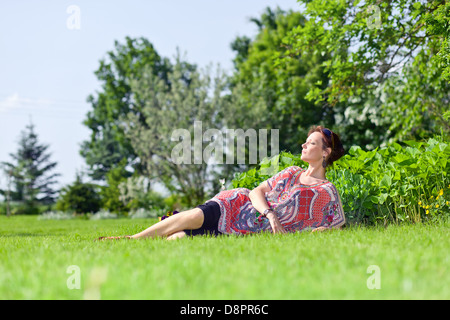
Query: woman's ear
{"x": 327, "y": 152}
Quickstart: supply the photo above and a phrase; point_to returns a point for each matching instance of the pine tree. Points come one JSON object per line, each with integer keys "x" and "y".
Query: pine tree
{"x": 30, "y": 171}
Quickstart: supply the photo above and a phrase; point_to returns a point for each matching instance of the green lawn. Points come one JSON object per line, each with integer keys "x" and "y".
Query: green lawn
{"x": 35, "y": 257}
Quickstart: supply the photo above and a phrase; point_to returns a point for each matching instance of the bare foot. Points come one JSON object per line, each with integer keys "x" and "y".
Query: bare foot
{"x": 114, "y": 238}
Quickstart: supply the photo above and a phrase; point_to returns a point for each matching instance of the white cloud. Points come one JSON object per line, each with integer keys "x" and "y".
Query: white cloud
{"x": 11, "y": 102}
{"x": 15, "y": 102}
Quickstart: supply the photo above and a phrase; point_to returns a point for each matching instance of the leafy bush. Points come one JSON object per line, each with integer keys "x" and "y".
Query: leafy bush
{"x": 23, "y": 207}
{"x": 110, "y": 194}
{"x": 401, "y": 180}
{"x": 79, "y": 198}
{"x": 396, "y": 183}
{"x": 136, "y": 194}
{"x": 266, "y": 168}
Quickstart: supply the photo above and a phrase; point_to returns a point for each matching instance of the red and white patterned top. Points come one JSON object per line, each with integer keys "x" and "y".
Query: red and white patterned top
{"x": 297, "y": 206}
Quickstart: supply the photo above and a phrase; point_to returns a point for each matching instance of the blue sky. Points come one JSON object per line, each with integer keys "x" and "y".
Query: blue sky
{"x": 47, "y": 69}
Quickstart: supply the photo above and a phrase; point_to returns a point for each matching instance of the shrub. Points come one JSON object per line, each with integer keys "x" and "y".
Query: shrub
{"x": 136, "y": 194}
{"x": 79, "y": 198}
{"x": 23, "y": 207}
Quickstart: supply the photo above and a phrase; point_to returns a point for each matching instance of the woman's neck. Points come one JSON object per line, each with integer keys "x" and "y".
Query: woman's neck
{"x": 315, "y": 172}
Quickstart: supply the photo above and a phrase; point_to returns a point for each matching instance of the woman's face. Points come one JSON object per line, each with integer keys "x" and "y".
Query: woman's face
{"x": 313, "y": 148}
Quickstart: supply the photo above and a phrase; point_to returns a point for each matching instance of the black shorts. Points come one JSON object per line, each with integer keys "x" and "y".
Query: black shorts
{"x": 211, "y": 213}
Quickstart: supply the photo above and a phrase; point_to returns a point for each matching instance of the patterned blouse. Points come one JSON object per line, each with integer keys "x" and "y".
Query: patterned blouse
{"x": 298, "y": 207}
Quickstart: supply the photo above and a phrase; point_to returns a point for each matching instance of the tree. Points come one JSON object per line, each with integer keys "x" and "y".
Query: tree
{"x": 111, "y": 193}
{"x": 108, "y": 144}
{"x": 370, "y": 42}
{"x": 417, "y": 101}
{"x": 269, "y": 93}
{"x": 80, "y": 197}
{"x": 7, "y": 193}
{"x": 30, "y": 172}
{"x": 168, "y": 110}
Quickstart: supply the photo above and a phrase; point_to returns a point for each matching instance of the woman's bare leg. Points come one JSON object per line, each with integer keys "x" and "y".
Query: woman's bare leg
{"x": 177, "y": 235}
{"x": 190, "y": 219}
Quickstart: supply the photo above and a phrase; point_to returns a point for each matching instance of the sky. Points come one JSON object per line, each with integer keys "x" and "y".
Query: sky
{"x": 48, "y": 58}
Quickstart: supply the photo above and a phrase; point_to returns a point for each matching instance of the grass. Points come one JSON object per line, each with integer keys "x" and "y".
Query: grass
{"x": 35, "y": 256}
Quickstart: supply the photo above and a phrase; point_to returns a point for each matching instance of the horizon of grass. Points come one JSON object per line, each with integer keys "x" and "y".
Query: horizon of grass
{"x": 36, "y": 258}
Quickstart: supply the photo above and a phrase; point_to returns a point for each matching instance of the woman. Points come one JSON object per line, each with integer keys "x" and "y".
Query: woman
{"x": 292, "y": 200}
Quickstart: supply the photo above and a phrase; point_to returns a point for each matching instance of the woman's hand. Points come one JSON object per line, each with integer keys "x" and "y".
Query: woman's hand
{"x": 275, "y": 223}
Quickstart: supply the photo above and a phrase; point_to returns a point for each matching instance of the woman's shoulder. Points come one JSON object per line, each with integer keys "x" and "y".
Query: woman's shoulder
{"x": 286, "y": 172}
{"x": 329, "y": 188}
{"x": 291, "y": 171}
{"x": 328, "y": 184}
{"x": 294, "y": 168}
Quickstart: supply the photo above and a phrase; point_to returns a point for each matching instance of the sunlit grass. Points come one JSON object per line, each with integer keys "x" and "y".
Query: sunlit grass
{"x": 35, "y": 256}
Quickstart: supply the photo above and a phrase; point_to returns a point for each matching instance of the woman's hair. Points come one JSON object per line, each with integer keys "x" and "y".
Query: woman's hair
{"x": 329, "y": 141}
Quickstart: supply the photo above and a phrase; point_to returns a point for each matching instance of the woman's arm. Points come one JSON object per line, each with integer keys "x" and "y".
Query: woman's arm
{"x": 258, "y": 199}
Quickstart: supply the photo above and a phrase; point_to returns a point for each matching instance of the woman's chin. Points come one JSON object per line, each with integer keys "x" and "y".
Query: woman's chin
{"x": 305, "y": 158}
